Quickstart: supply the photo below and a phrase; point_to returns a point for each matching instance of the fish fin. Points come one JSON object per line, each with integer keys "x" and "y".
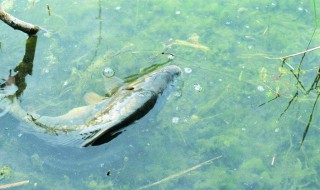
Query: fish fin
{"x": 92, "y": 98}
{"x": 71, "y": 139}
{"x": 93, "y": 133}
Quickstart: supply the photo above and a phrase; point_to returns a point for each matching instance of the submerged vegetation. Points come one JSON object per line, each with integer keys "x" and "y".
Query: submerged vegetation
{"x": 214, "y": 112}
{"x": 300, "y": 86}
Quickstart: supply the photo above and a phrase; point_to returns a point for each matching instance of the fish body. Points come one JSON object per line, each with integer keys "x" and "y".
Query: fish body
{"x": 101, "y": 122}
{"x": 129, "y": 104}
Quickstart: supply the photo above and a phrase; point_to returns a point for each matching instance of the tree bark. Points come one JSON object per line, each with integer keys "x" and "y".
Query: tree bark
{"x": 17, "y": 24}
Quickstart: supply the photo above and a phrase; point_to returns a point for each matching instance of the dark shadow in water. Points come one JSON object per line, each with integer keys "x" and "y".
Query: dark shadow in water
{"x": 23, "y": 69}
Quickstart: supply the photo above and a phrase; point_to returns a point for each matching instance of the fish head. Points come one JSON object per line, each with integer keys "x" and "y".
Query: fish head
{"x": 156, "y": 81}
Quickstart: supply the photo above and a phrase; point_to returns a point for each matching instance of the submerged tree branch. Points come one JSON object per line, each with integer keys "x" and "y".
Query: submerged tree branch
{"x": 294, "y": 54}
{"x": 7, "y": 186}
{"x": 179, "y": 174}
{"x": 17, "y": 24}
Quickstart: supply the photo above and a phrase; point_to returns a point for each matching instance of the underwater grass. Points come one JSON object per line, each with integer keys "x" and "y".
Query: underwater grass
{"x": 221, "y": 119}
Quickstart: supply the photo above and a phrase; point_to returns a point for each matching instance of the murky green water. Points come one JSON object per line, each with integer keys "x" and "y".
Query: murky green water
{"x": 213, "y": 112}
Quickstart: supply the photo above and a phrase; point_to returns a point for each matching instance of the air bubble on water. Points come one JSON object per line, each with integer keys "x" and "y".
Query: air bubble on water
{"x": 276, "y": 130}
{"x": 178, "y": 12}
{"x": 47, "y": 35}
{"x": 260, "y": 88}
{"x": 108, "y": 72}
{"x": 177, "y": 94}
{"x": 175, "y": 120}
{"x": 187, "y": 70}
{"x": 197, "y": 87}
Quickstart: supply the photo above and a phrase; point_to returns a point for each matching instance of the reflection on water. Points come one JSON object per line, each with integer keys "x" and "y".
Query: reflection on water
{"x": 14, "y": 85}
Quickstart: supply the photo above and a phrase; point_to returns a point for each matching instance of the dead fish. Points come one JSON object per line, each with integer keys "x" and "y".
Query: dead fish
{"x": 99, "y": 123}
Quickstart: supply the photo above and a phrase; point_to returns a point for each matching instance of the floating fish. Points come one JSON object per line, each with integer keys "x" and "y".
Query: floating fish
{"x": 100, "y": 122}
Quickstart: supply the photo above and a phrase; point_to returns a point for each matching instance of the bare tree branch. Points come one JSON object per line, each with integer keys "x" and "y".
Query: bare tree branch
{"x": 17, "y": 24}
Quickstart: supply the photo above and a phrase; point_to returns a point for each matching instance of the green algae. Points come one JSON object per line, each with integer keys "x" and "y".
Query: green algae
{"x": 5, "y": 172}
{"x": 222, "y": 119}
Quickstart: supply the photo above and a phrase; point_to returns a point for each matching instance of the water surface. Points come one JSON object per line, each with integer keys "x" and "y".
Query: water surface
{"x": 214, "y": 110}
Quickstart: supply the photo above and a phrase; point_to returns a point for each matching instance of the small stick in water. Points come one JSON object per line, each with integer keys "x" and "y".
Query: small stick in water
{"x": 14, "y": 184}
{"x": 179, "y": 174}
{"x": 273, "y": 159}
{"x": 49, "y": 10}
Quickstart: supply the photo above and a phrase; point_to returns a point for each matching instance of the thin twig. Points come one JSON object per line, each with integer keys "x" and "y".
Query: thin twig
{"x": 179, "y": 174}
{"x": 16, "y": 184}
{"x": 295, "y": 54}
